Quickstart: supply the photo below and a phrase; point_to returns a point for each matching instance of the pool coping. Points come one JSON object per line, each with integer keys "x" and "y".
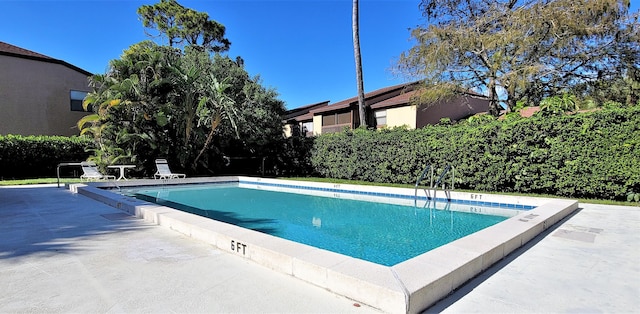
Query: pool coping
{"x": 408, "y": 287}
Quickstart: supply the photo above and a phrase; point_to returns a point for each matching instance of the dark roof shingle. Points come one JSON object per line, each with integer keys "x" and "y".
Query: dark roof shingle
{"x": 15, "y": 51}
{"x": 367, "y": 96}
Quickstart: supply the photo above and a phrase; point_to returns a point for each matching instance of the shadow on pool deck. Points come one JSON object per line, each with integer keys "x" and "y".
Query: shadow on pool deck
{"x": 33, "y": 223}
{"x": 63, "y": 252}
{"x": 583, "y": 264}
{"x": 487, "y": 274}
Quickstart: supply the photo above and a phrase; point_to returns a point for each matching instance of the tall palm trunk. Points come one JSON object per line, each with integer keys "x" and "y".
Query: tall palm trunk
{"x": 356, "y": 52}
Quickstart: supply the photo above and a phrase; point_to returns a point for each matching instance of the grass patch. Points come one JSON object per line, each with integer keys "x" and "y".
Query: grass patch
{"x": 38, "y": 181}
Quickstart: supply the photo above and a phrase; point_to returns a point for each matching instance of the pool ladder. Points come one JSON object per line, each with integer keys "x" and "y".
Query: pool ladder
{"x": 440, "y": 181}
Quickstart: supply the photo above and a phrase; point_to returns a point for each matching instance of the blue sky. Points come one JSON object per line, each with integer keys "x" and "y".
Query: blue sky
{"x": 301, "y": 48}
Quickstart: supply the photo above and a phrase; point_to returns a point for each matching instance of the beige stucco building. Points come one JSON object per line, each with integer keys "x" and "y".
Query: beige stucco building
{"x": 39, "y": 95}
{"x": 390, "y": 107}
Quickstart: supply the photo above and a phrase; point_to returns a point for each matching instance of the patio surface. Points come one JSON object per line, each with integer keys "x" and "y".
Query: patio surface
{"x": 63, "y": 252}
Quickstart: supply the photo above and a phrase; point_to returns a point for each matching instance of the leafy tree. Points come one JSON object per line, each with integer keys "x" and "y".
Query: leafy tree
{"x": 193, "y": 109}
{"x": 517, "y": 50}
{"x": 149, "y": 104}
{"x": 558, "y": 105}
{"x": 259, "y": 113}
{"x": 180, "y": 102}
{"x": 624, "y": 89}
{"x": 184, "y": 26}
{"x": 131, "y": 104}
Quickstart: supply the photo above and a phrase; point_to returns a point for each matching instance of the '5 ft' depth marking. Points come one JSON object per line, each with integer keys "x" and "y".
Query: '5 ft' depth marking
{"x": 238, "y": 247}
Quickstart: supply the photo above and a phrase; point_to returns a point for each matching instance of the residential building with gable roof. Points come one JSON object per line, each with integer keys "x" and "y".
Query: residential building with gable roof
{"x": 39, "y": 95}
{"x": 299, "y": 121}
{"x": 390, "y": 106}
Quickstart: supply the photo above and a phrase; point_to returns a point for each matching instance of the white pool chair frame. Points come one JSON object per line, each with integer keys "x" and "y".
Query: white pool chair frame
{"x": 164, "y": 172}
{"x": 91, "y": 172}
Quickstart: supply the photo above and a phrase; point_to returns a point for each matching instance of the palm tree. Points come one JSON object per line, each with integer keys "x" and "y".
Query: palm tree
{"x": 356, "y": 52}
{"x": 212, "y": 109}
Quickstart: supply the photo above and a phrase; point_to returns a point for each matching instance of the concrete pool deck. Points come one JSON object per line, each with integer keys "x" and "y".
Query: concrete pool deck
{"x": 63, "y": 252}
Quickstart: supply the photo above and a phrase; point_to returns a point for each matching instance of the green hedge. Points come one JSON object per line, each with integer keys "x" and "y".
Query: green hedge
{"x": 23, "y": 157}
{"x": 587, "y": 155}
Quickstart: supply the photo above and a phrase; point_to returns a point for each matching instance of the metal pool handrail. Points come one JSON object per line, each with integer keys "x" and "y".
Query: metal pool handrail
{"x": 444, "y": 173}
{"x": 421, "y": 177}
{"x": 437, "y": 182}
{"x": 64, "y": 164}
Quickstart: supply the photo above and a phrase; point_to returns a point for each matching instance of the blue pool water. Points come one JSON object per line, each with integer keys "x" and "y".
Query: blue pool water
{"x": 381, "y": 233}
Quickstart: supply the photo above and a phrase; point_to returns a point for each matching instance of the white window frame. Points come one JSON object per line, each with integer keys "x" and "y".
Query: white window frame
{"x": 381, "y": 117}
{"x": 76, "y": 97}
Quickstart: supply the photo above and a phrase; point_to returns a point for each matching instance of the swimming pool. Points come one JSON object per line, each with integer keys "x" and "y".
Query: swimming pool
{"x": 410, "y": 286}
{"x": 382, "y": 233}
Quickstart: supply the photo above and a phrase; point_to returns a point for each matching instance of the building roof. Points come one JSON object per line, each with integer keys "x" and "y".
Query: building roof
{"x": 369, "y": 97}
{"x": 397, "y": 95}
{"x": 15, "y": 51}
{"x": 11, "y": 49}
{"x": 529, "y": 111}
{"x": 304, "y": 117}
{"x": 401, "y": 99}
{"x": 406, "y": 97}
{"x": 302, "y": 113}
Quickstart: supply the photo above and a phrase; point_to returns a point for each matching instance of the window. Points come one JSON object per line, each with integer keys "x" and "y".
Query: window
{"x": 344, "y": 118}
{"x": 76, "y": 100}
{"x": 381, "y": 118}
{"x": 328, "y": 120}
{"x": 336, "y": 122}
{"x": 307, "y": 128}
{"x": 336, "y": 118}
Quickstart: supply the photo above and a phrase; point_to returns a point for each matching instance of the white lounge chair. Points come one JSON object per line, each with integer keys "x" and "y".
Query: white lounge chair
{"x": 91, "y": 172}
{"x": 164, "y": 172}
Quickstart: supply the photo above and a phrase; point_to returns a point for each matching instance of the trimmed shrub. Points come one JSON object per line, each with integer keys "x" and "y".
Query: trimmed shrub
{"x": 587, "y": 155}
{"x": 23, "y": 157}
